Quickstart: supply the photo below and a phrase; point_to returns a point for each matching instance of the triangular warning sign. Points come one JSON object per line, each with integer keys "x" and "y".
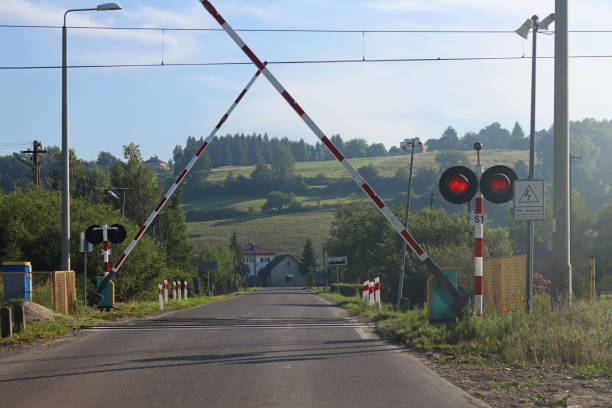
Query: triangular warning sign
{"x": 528, "y": 196}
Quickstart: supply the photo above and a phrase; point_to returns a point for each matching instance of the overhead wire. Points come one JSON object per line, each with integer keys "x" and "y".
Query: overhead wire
{"x": 330, "y": 61}
{"x": 293, "y": 30}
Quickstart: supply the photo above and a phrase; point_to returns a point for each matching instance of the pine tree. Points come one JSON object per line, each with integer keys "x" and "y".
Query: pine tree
{"x": 308, "y": 259}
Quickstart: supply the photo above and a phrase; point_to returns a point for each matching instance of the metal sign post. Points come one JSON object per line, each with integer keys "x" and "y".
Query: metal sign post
{"x": 207, "y": 266}
{"x": 337, "y": 261}
{"x": 84, "y": 247}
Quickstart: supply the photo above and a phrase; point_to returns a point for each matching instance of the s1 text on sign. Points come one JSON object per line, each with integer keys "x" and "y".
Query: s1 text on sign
{"x": 337, "y": 261}
{"x": 528, "y": 200}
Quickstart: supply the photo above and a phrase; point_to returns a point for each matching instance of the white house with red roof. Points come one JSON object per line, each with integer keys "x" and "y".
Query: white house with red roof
{"x": 256, "y": 257}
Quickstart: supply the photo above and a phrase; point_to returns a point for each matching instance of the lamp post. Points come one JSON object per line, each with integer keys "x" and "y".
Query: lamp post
{"x": 405, "y": 145}
{"x": 111, "y": 193}
{"x": 65, "y": 239}
{"x": 534, "y": 24}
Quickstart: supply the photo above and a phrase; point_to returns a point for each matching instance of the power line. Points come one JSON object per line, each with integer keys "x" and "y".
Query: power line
{"x": 291, "y": 30}
{"x": 336, "y": 61}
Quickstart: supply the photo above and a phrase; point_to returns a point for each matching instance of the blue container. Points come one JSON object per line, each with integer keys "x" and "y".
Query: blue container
{"x": 17, "y": 280}
{"x": 439, "y": 301}
{"x": 108, "y": 293}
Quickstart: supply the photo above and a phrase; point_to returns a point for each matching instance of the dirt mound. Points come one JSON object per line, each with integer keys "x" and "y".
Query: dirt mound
{"x": 34, "y": 311}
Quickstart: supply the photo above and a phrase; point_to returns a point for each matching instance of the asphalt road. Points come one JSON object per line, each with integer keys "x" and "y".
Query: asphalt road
{"x": 278, "y": 347}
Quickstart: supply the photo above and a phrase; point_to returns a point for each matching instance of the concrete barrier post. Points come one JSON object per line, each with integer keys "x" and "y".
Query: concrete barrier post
{"x": 19, "y": 320}
{"x": 173, "y": 290}
{"x": 179, "y": 290}
{"x": 377, "y": 290}
{"x": 365, "y": 291}
{"x": 160, "y": 291}
{"x": 185, "y": 289}
{"x": 165, "y": 291}
{"x": 6, "y": 322}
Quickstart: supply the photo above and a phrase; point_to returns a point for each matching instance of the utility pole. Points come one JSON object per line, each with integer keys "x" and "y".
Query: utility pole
{"x": 35, "y": 165}
{"x": 562, "y": 268}
{"x": 431, "y": 200}
{"x": 404, "y": 146}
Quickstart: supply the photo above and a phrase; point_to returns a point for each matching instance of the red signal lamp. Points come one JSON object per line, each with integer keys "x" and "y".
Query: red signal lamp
{"x": 458, "y": 185}
{"x": 497, "y": 184}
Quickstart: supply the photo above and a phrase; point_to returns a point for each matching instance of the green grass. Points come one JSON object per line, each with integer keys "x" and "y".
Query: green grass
{"x": 386, "y": 165}
{"x": 91, "y": 316}
{"x": 285, "y": 233}
{"x": 576, "y": 339}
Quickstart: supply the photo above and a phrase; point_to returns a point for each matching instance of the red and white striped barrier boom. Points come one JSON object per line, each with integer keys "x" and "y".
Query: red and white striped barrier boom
{"x": 478, "y": 248}
{"x": 459, "y": 298}
{"x": 95, "y": 296}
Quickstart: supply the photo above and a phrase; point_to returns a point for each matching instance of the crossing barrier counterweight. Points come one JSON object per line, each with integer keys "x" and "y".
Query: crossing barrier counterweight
{"x": 95, "y": 297}
{"x": 459, "y": 298}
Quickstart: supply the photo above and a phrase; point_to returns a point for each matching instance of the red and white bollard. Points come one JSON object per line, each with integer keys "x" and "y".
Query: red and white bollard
{"x": 371, "y": 294}
{"x": 365, "y": 291}
{"x": 377, "y": 290}
{"x": 185, "y": 289}
{"x": 179, "y": 289}
{"x": 173, "y": 290}
{"x": 160, "y": 292}
{"x": 478, "y": 247}
{"x": 165, "y": 291}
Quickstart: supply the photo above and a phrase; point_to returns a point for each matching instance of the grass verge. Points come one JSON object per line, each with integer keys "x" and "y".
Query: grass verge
{"x": 576, "y": 339}
{"x": 85, "y": 318}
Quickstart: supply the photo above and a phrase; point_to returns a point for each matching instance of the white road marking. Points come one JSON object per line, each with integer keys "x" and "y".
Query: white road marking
{"x": 362, "y": 334}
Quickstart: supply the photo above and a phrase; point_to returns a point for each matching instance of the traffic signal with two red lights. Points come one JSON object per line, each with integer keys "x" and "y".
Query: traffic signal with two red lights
{"x": 459, "y": 184}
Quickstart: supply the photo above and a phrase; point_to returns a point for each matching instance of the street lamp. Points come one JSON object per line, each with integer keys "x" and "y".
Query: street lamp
{"x": 65, "y": 239}
{"x": 523, "y": 31}
{"x": 112, "y": 194}
{"x": 405, "y": 145}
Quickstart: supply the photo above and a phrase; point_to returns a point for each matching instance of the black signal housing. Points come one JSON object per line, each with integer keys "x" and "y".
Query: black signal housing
{"x": 497, "y": 184}
{"x": 458, "y": 185}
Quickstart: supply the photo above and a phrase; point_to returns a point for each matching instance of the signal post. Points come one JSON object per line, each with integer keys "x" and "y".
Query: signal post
{"x": 458, "y": 185}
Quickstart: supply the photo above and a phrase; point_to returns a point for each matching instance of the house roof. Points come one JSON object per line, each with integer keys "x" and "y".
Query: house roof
{"x": 155, "y": 163}
{"x": 277, "y": 260}
{"x": 251, "y": 249}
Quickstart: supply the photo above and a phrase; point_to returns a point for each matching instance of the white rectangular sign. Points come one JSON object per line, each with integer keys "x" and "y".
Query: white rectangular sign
{"x": 337, "y": 261}
{"x": 528, "y": 200}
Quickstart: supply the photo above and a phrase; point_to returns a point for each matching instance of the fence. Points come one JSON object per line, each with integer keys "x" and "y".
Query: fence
{"x": 504, "y": 279}
{"x": 54, "y": 290}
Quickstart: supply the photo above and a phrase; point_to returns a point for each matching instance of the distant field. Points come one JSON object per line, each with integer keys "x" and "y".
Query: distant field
{"x": 285, "y": 233}
{"x": 386, "y": 165}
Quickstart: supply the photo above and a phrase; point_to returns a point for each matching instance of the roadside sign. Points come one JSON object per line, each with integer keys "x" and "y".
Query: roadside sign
{"x": 528, "y": 200}
{"x": 337, "y": 261}
{"x": 478, "y": 219}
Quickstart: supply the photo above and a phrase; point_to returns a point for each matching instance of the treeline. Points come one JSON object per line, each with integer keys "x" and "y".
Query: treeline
{"x": 30, "y": 223}
{"x": 492, "y": 137}
{"x": 241, "y": 150}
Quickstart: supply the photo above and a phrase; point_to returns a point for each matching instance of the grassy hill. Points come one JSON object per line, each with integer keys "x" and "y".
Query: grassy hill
{"x": 287, "y": 233}
{"x": 386, "y": 165}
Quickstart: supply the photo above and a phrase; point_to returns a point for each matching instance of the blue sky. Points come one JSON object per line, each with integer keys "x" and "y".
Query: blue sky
{"x": 158, "y": 107}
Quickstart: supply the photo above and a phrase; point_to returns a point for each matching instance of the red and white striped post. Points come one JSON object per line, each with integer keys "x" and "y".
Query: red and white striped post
{"x": 377, "y": 290}
{"x": 160, "y": 292}
{"x": 166, "y": 291}
{"x": 179, "y": 289}
{"x": 105, "y": 249}
{"x": 371, "y": 294}
{"x": 178, "y": 181}
{"x": 185, "y": 289}
{"x": 367, "y": 189}
{"x": 478, "y": 245}
{"x": 365, "y": 292}
{"x": 173, "y": 290}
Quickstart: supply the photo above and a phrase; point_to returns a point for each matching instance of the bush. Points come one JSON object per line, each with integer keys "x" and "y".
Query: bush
{"x": 346, "y": 289}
